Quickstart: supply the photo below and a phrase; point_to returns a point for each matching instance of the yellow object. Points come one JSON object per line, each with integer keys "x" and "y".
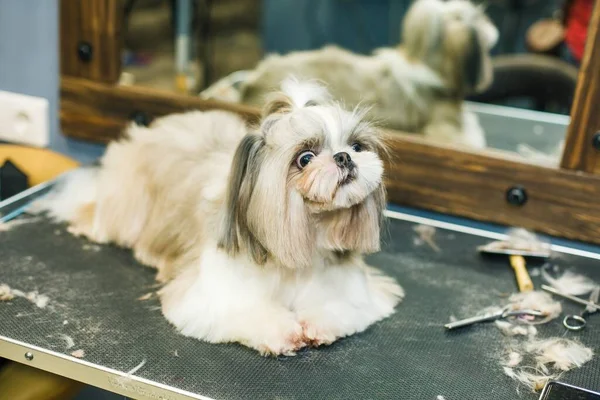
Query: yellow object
{"x": 523, "y": 278}
{"x": 21, "y": 382}
{"x": 181, "y": 83}
{"x": 40, "y": 165}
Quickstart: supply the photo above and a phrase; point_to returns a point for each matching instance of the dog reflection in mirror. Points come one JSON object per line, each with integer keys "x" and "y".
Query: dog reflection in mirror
{"x": 258, "y": 235}
{"x": 417, "y": 87}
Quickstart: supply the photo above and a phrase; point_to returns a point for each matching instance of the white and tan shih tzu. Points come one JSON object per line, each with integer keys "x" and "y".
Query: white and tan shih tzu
{"x": 417, "y": 87}
{"x": 258, "y": 235}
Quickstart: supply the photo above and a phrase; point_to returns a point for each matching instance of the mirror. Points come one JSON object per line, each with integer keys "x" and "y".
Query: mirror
{"x": 183, "y": 45}
{"x": 494, "y": 76}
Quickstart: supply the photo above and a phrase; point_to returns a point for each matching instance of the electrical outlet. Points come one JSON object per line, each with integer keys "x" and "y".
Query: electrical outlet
{"x": 24, "y": 119}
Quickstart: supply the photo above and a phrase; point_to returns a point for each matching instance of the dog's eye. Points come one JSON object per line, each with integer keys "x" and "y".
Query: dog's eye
{"x": 357, "y": 147}
{"x": 304, "y": 159}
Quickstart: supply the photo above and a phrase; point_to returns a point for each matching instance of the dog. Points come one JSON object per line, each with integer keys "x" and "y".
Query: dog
{"x": 257, "y": 233}
{"x": 418, "y": 87}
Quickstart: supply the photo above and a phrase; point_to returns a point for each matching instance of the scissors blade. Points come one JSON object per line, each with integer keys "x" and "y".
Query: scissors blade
{"x": 568, "y": 296}
{"x": 514, "y": 313}
{"x": 492, "y": 316}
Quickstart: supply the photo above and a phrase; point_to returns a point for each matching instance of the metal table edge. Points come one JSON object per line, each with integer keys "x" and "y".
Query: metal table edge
{"x": 92, "y": 374}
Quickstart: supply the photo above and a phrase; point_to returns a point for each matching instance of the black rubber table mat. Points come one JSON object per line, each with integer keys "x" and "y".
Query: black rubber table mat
{"x": 94, "y": 293}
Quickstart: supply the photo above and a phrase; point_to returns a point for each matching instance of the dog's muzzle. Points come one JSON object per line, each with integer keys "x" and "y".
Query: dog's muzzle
{"x": 346, "y": 165}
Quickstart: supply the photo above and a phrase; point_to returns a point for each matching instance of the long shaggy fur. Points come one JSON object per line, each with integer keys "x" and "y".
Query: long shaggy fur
{"x": 258, "y": 235}
{"x": 417, "y": 87}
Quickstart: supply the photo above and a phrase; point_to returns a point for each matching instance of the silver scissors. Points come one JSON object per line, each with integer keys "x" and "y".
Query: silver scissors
{"x": 504, "y": 313}
{"x": 577, "y": 322}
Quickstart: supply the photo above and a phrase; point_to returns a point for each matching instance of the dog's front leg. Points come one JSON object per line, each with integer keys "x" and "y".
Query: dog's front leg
{"x": 342, "y": 300}
{"x": 222, "y": 300}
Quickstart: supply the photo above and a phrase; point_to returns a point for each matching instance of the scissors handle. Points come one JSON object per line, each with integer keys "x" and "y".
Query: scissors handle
{"x": 574, "y": 322}
{"x": 474, "y": 320}
{"x": 521, "y": 274}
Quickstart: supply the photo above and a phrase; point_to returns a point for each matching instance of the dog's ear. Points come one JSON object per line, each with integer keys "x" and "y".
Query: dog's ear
{"x": 481, "y": 37}
{"x": 277, "y": 103}
{"x": 235, "y": 234}
{"x": 477, "y": 64}
{"x": 473, "y": 61}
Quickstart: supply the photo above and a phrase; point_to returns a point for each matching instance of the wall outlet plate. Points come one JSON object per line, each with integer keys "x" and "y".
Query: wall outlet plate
{"x": 24, "y": 119}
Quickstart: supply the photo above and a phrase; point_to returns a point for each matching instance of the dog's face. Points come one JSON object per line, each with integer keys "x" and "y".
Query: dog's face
{"x": 467, "y": 14}
{"x": 331, "y": 155}
{"x": 310, "y": 180}
{"x": 453, "y": 37}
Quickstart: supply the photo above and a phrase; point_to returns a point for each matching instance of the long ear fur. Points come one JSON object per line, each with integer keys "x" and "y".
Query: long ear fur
{"x": 358, "y": 228}
{"x": 478, "y": 63}
{"x": 467, "y": 50}
{"x": 477, "y": 67}
{"x": 235, "y": 234}
{"x": 473, "y": 62}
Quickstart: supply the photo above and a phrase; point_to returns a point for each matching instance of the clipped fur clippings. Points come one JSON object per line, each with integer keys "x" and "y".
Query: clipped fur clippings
{"x": 69, "y": 342}
{"x": 135, "y": 369}
{"x": 13, "y": 223}
{"x": 426, "y": 234}
{"x": 562, "y": 354}
{"x": 522, "y": 239}
{"x": 550, "y": 359}
{"x": 511, "y": 329}
{"x": 80, "y": 353}
{"x": 594, "y": 296}
{"x": 7, "y": 293}
{"x": 570, "y": 282}
{"x": 536, "y": 300}
{"x": 513, "y": 359}
{"x": 146, "y": 296}
{"x": 530, "y": 377}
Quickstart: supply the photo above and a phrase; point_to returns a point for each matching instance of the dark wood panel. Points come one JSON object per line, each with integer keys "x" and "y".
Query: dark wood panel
{"x": 98, "y": 24}
{"x": 579, "y": 152}
{"x": 560, "y": 202}
{"x": 100, "y": 112}
{"x": 69, "y": 34}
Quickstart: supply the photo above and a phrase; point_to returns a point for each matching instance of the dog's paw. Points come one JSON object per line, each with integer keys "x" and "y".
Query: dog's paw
{"x": 280, "y": 338}
{"x": 317, "y": 334}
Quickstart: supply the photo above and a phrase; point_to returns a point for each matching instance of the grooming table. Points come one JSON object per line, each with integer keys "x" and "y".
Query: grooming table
{"x": 94, "y": 296}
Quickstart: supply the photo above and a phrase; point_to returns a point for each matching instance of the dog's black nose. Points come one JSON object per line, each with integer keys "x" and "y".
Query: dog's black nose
{"x": 343, "y": 160}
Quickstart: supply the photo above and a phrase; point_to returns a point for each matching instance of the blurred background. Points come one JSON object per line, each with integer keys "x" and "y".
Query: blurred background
{"x": 534, "y": 68}
{"x": 240, "y": 32}
{"x": 224, "y": 36}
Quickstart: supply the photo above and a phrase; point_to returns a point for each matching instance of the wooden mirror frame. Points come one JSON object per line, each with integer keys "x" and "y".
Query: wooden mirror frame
{"x": 561, "y": 202}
